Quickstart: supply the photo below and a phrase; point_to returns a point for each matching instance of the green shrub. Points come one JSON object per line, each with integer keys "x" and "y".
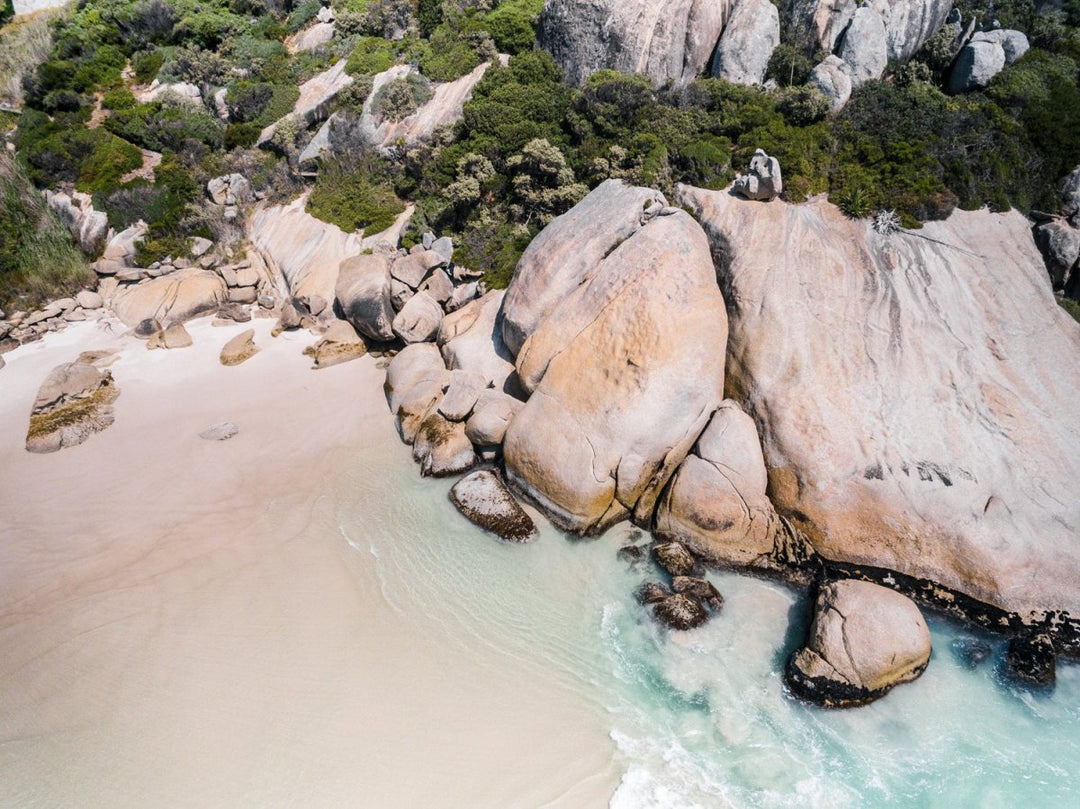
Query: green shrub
{"x": 370, "y": 55}
{"x": 146, "y": 65}
{"x": 7, "y": 11}
{"x": 512, "y": 24}
{"x": 161, "y": 125}
{"x": 452, "y": 53}
{"x": 120, "y": 98}
{"x": 241, "y": 136}
{"x": 1071, "y": 306}
{"x": 304, "y": 13}
{"x": 247, "y": 100}
{"x": 351, "y": 198}
{"x": 400, "y": 98}
{"x": 39, "y": 261}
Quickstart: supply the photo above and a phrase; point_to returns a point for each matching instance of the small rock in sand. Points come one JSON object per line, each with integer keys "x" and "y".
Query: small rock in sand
{"x": 222, "y": 431}
{"x": 239, "y": 348}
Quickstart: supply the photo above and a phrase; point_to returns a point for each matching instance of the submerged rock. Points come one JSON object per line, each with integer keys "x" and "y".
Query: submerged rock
{"x": 701, "y": 589}
{"x": 483, "y": 498}
{"x": 1030, "y": 659}
{"x": 675, "y": 559}
{"x": 864, "y": 640}
{"x": 680, "y": 611}
{"x": 74, "y": 402}
{"x": 652, "y": 592}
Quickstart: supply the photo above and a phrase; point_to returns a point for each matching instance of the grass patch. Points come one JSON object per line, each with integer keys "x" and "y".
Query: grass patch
{"x": 1071, "y": 306}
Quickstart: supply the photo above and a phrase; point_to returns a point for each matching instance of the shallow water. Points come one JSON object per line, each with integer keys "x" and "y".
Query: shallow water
{"x": 701, "y": 718}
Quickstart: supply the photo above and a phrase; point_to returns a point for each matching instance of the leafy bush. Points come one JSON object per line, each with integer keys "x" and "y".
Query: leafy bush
{"x": 371, "y": 55}
{"x": 92, "y": 159}
{"x": 1071, "y": 306}
{"x": 162, "y": 125}
{"x": 39, "y": 261}
{"x": 247, "y": 100}
{"x": 7, "y": 11}
{"x": 400, "y": 98}
{"x": 304, "y": 13}
{"x": 146, "y": 65}
{"x": 512, "y": 25}
{"x": 352, "y": 198}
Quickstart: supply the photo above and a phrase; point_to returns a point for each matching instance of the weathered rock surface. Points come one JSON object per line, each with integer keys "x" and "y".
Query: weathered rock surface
{"x": 864, "y": 47}
{"x": 623, "y": 370}
{"x": 910, "y": 23}
{"x": 716, "y": 502}
{"x": 483, "y": 498}
{"x": 749, "y": 39}
{"x": 363, "y": 292}
{"x": 567, "y": 252}
{"x": 701, "y": 589}
{"x": 1059, "y": 244}
{"x": 1068, "y": 189}
{"x": 680, "y": 612}
{"x": 74, "y": 402}
{"x": 222, "y": 431}
{"x": 1030, "y": 659}
{"x": 415, "y": 380}
{"x": 88, "y": 299}
{"x": 664, "y": 39}
{"x": 339, "y": 343}
{"x": 1013, "y": 43}
{"x": 173, "y": 336}
{"x": 833, "y": 77}
{"x": 675, "y": 558}
{"x": 764, "y": 181}
{"x": 819, "y": 22}
{"x": 978, "y": 62}
{"x": 899, "y": 382}
{"x": 471, "y": 340}
{"x": 441, "y": 447}
{"x": 310, "y": 38}
{"x": 491, "y": 417}
{"x": 462, "y": 391}
{"x": 419, "y": 319}
{"x": 239, "y": 348}
{"x": 316, "y": 96}
{"x": 302, "y": 250}
{"x": 176, "y": 297}
{"x": 864, "y": 640}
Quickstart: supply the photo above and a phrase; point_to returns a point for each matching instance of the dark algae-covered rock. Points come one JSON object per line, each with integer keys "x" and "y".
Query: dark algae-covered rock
{"x": 680, "y": 612}
{"x": 1030, "y": 660}
{"x": 675, "y": 558}
{"x": 701, "y": 589}
{"x": 484, "y": 499}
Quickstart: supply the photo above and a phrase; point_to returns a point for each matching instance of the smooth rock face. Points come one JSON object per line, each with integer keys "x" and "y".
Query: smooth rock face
{"x": 910, "y": 23}
{"x": 173, "y": 336}
{"x": 491, "y": 417}
{"x": 74, "y": 402}
{"x": 750, "y": 36}
{"x": 460, "y": 396}
{"x": 864, "y": 640}
{"x": 893, "y": 425}
{"x": 471, "y": 340}
{"x": 566, "y": 253}
{"x": 716, "y": 502}
{"x": 363, "y": 292}
{"x": 864, "y": 47}
{"x": 833, "y": 77}
{"x": 624, "y": 370}
{"x": 419, "y": 319}
{"x": 978, "y": 62}
{"x": 664, "y": 39}
{"x": 415, "y": 380}
{"x": 178, "y": 296}
{"x": 483, "y": 498}
{"x": 1013, "y": 43}
{"x": 820, "y": 22}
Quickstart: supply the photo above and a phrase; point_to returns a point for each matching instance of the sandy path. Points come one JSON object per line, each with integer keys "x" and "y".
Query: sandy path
{"x": 181, "y": 623}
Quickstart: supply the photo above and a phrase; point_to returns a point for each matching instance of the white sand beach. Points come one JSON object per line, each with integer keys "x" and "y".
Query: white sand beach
{"x": 185, "y": 623}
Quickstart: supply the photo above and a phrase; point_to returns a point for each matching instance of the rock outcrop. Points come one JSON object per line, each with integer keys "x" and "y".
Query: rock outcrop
{"x": 622, "y": 369}
{"x": 864, "y": 640}
{"x": 1059, "y": 244}
{"x": 716, "y": 502}
{"x": 664, "y": 39}
{"x": 864, "y": 47}
{"x": 764, "y": 181}
{"x": 471, "y": 340}
{"x": 316, "y": 96}
{"x": 483, "y": 498}
{"x": 179, "y": 296}
{"x": 414, "y": 385}
{"x": 749, "y": 39}
{"x": 74, "y": 402}
{"x": 89, "y": 226}
{"x": 979, "y": 61}
{"x": 899, "y": 382}
{"x": 363, "y": 292}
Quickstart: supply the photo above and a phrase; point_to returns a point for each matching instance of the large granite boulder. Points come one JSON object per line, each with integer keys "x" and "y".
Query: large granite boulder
{"x": 833, "y": 77}
{"x": 667, "y": 40}
{"x": 565, "y": 254}
{"x": 819, "y": 23}
{"x": 1059, "y": 244}
{"x": 910, "y": 23}
{"x": 623, "y": 371}
{"x": 74, "y": 402}
{"x": 1014, "y": 43}
{"x": 491, "y": 417}
{"x": 363, "y": 293}
{"x": 415, "y": 380}
{"x": 419, "y": 319}
{"x": 716, "y": 502}
{"x": 176, "y": 297}
{"x": 899, "y": 382}
{"x": 441, "y": 447}
{"x": 749, "y": 39}
{"x": 979, "y": 61}
{"x": 471, "y": 340}
{"x": 864, "y": 640}
{"x": 864, "y": 47}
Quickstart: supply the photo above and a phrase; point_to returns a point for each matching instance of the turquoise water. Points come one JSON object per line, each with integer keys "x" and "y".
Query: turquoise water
{"x": 700, "y": 719}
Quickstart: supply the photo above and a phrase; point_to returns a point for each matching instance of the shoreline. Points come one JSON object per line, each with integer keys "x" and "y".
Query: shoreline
{"x": 202, "y": 601}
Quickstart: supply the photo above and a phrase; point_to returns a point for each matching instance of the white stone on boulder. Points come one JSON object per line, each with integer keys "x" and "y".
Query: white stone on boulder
{"x": 763, "y": 182}
{"x": 1059, "y": 243}
{"x": 221, "y": 431}
{"x": 1013, "y": 43}
{"x": 864, "y": 640}
{"x": 749, "y": 39}
{"x": 415, "y": 267}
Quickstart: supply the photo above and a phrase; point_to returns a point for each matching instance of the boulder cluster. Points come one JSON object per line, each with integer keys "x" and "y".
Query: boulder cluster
{"x": 691, "y": 597}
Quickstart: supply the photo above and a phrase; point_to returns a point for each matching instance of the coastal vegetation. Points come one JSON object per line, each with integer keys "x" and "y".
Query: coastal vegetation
{"x": 528, "y": 146}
